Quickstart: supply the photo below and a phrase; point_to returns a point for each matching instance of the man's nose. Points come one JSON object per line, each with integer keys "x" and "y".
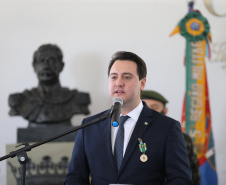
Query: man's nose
{"x": 46, "y": 62}
{"x": 119, "y": 82}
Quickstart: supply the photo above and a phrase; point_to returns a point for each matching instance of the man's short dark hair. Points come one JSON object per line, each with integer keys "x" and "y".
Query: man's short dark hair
{"x": 49, "y": 47}
{"x": 125, "y": 55}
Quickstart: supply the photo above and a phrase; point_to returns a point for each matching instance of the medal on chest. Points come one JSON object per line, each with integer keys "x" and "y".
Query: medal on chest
{"x": 143, "y": 148}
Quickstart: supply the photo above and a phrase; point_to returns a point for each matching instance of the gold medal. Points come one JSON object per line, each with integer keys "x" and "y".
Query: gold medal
{"x": 143, "y": 158}
{"x": 143, "y": 149}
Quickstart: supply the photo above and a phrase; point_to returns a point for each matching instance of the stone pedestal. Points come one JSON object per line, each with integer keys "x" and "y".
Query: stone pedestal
{"x": 41, "y": 133}
{"x": 48, "y": 164}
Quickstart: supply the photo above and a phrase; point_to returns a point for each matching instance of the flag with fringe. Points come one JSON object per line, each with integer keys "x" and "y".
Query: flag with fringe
{"x": 196, "y": 116}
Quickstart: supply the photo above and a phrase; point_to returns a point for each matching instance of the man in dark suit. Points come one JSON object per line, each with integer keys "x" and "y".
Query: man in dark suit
{"x": 153, "y": 149}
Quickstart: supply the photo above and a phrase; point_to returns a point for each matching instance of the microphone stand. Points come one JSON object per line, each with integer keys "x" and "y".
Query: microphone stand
{"x": 22, "y": 155}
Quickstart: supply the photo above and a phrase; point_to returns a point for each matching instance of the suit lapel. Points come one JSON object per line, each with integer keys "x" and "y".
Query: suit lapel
{"x": 105, "y": 128}
{"x": 139, "y": 131}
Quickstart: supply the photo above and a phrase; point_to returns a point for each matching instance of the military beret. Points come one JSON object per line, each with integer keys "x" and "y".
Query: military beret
{"x": 146, "y": 94}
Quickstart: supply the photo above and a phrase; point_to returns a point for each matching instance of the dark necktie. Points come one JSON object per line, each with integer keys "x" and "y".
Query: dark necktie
{"x": 119, "y": 142}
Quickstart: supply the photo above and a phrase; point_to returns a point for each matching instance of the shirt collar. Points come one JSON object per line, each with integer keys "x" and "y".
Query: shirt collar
{"x": 135, "y": 113}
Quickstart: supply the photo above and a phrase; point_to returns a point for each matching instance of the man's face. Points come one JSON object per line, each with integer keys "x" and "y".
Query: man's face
{"x": 124, "y": 82}
{"x": 48, "y": 66}
{"x": 156, "y": 105}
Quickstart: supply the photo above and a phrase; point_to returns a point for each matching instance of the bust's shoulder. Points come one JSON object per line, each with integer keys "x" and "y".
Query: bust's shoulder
{"x": 106, "y": 112}
{"x": 81, "y": 97}
{"x": 20, "y": 95}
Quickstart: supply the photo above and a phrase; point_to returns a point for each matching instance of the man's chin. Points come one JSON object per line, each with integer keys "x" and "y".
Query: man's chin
{"x": 118, "y": 96}
{"x": 47, "y": 81}
{"x": 46, "y": 77}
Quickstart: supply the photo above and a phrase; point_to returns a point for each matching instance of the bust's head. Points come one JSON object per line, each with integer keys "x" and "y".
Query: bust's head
{"x": 48, "y": 63}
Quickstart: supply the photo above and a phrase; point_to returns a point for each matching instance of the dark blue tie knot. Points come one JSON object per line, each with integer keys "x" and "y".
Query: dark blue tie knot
{"x": 123, "y": 120}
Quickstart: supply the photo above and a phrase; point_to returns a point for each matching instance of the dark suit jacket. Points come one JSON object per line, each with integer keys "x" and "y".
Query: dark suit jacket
{"x": 167, "y": 155}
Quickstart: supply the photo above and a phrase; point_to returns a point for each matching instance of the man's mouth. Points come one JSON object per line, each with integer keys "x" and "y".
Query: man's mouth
{"x": 46, "y": 75}
{"x": 119, "y": 91}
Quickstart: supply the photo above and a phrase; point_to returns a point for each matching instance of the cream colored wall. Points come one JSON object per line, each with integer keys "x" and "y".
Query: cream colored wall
{"x": 89, "y": 32}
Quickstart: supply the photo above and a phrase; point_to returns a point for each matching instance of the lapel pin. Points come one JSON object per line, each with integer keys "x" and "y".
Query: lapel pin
{"x": 146, "y": 123}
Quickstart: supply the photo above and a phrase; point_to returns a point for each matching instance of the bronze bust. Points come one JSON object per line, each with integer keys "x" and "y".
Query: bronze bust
{"x": 49, "y": 103}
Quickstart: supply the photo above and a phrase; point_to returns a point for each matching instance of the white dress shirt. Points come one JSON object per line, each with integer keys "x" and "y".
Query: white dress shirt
{"x": 128, "y": 127}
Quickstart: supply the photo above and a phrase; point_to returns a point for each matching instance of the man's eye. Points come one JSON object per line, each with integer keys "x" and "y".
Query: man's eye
{"x": 41, "y": 61}
{"x": 155, "y": 107}
{"x": 50, "y": 60}
{"x": 113, "y": 77}
{"x": 127, "y": 77}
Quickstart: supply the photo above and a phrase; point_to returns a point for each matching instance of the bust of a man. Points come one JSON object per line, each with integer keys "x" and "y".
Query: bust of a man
{"x": 49, "y": 103}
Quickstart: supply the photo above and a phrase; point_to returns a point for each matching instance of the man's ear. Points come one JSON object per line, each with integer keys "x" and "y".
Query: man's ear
{"x": 61, "y": 66}
{"x": 165, "y": 110}
{"x": 143, "y": 82}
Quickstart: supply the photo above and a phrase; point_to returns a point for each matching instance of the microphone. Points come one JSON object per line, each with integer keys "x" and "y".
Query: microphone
{"x": 115, "y": 111}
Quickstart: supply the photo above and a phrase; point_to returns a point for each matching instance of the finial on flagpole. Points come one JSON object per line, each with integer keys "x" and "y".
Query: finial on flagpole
{"x": 191, "y": 5}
